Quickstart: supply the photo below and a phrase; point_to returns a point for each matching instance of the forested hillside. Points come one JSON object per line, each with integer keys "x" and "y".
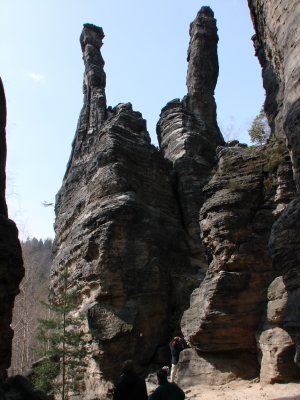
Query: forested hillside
{"x": 28, "y": 307}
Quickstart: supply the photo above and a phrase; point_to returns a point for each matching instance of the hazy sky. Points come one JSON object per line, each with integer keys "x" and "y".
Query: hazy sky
{"x": 145, "y": 48}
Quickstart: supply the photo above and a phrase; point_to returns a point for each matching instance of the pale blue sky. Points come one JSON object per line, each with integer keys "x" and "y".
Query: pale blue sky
{"x": 145, "y": 48}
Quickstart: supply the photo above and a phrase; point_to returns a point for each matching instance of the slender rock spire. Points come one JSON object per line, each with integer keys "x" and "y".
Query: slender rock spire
{"x": 94, "y": 75}
{"x": 93, "y": 113}
{"x": 203, "y": 67}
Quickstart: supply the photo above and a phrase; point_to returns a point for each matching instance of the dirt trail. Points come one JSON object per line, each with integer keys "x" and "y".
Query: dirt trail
{"x": 240, "y": 390}
{"x": 246, "y": 390}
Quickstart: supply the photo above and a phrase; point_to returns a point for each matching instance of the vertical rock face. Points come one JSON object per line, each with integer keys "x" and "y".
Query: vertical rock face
{"x": 11, "y": 263}
{"x": 187, "y": 130}
{"x": 128, "y": 230}
{"x": 118, "y": 232}
{"x": 277, "y": 47}
{"x": 127, "y": 225}
{"x": 285, "y": 250}
{"x": 277, "y": 30}
{"x": 235, "y": 221}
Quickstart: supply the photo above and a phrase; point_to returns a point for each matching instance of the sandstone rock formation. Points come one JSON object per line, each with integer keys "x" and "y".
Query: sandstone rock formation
{"x": 276, "y": 347}
{"x": 277, "y": 47}
{"x": 187, "y": 130}
{"x": 11, "y": 263}
{"x": 203, "y": 68}
{"x": 118, "y": 232}
{"x": 243, "y": 202}
{"x": 127, "y": 217}
{"x": 128, "y": 229}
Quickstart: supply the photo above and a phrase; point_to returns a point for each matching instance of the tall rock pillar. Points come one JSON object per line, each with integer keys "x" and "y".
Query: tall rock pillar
{"x": 203, "y": 67}
{"x": 11, "y": 263}
{"x": 93, "y": 113}
{"x": 188, "y": 133}
{"x": 118, "y": 232}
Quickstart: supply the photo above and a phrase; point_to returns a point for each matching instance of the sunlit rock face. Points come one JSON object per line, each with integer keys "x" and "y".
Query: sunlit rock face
{"x": 133, "y": 223}
{"x": 11, "y": 263}
{"x": 203, "y": 68}
{"x": 118, "y": 232}
{"x": 277, "y": 30}
{"x": 243, "y": 202}
{"x": 187, "y": 130}
{"x": 277, "y": 349}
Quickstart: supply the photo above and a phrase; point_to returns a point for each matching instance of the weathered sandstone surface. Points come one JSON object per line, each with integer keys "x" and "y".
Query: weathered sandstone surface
{"x": 244, "y": 198}
{"x": 11, "y": 263}
{"x": 277, "y": 47}
{"x": 119, "y": 233}
{"x": 277, "y": 349}
{"x": 187, "y": 131}
{"x": 133, "y": 223}
{"x": 127, "y": 215}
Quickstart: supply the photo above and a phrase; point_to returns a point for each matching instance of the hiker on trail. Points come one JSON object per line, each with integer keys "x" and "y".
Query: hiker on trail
{"x": 166, "y": 390}
{"x": 130, "y": 386}
{"x": 176, "y": 346}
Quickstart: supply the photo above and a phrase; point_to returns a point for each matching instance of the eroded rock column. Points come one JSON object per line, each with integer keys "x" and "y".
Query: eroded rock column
{"x": 93, "y": 113}
{"x": 118, "y": 232}
{"x": 188, "y": 133}
{"x": 203, "y": 67}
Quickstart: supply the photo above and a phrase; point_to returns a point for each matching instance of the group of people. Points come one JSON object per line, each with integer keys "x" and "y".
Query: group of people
{"x": 132, "y": 387}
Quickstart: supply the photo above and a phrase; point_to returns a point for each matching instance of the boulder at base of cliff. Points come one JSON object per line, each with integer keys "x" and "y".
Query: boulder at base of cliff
{"x": 215, "y": 369}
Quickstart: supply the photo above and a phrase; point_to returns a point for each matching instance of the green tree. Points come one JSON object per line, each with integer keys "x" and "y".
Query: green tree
{"x": 259, "y": 130}
{"x": 64, "y": 343}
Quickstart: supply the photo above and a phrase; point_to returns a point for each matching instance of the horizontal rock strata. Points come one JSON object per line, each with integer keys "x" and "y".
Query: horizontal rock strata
{"x": 203, "y": 67}
{"x": 236, "y": 221}
{"x": 128, "y": 227}
{"x": 11, "y": 263}
{"x": 210, "y": 369}
{"x": 118, "y": 232}
{"x": 277, "y": 46}
{"x": 277, "y": 349}
{"x": 187, "y": 130}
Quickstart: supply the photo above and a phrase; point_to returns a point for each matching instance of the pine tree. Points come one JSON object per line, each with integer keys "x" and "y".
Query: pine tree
{"x": 259, "y": 130}
{"x": 64, "y": 345}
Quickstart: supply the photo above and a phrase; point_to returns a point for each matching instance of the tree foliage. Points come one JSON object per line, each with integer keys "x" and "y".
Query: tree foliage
{"x": 27, "y": 307}
{"x": 259, "y": 130}
{"x": 63, "y": 338}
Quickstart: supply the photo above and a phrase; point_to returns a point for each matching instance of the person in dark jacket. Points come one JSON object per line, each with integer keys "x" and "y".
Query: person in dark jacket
{"x": 176, "y": 346}
{"x": 130, "y": 386}
{"x": 166, "y": 390}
